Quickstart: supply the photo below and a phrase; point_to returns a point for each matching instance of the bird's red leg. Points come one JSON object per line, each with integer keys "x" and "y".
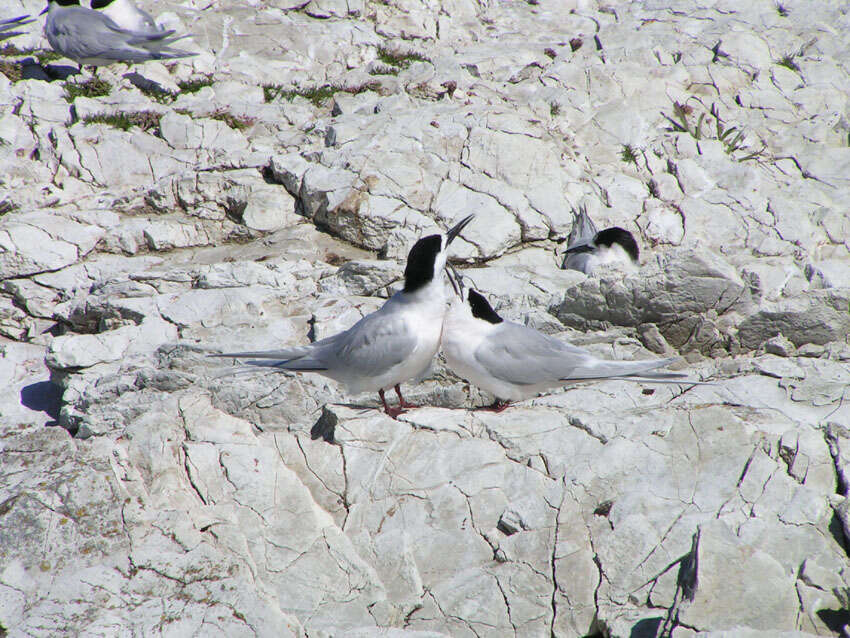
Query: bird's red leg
{"x": 393, "y": 412}
{"x": 496, "y": 406}
{"x": 401, "y": 402}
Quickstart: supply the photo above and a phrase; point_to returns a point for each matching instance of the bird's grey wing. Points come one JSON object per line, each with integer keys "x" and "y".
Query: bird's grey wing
{"x": 521, "y": 355}
{"x": 373, "y": 345}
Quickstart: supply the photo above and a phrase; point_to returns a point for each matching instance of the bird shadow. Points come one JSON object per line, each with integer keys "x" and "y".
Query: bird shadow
{"x": 43, "y": 396}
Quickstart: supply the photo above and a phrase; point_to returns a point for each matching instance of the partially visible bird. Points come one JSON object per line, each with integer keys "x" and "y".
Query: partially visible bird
{"x": 13, "y": 23}
{"x": 395, "y": 343}
{"x": 588, "y": 249}
{"x": 515, "y": 362}
{"x": 127, "y": 15}
{"x": 92, "y": 39}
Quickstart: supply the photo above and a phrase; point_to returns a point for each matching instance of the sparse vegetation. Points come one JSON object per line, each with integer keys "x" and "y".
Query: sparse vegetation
{"x": 400, "y": 60}
{"x": 733, "y": 138}
{"x": 145, "y": 120}
{"x": 93, "y": 87}
{"x": 629, "y": 154}
{"x": 554, "y": 109}
{"x": 788, "y": 62}
{"x": 317, "y": 95}
{"x": 11, "y": 70}
{"x": 233, "y": 121}
{"x": 195, "y": 84}
{"x": 782, "y": 10}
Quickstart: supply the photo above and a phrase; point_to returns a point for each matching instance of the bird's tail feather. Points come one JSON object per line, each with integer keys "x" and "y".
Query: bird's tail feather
{"x": 597, "y": 369}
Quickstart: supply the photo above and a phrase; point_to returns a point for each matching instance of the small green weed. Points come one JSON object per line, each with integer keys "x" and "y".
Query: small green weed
{"x": 317, "y": 95}
{"x": 145, "y": 120}
{"x": 195, "y": 84}
{"x": 629, "y": 154}
{"x": 233, "y": 121}
{"x": 400, "y": 60}
{"x": 93, "y": 87}
{"x": 732, "y": 137}
{"x": 788, "y": 62}
{"x": 11, "y": 70}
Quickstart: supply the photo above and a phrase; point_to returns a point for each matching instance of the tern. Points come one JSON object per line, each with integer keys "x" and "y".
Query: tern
{"x": 515, "y": 362}
{"x": 395, "y": 343}
{"x": 7, "y": 25}
{"x": 588, "y": 249}
{"x": 93, "y": 39}
{"x": 127, "y": 15}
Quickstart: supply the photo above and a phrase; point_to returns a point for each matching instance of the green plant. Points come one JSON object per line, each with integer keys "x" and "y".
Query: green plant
{"x": 93, "y": 87}
{"x": 400, "y": 60}
{"x": 788, "y": 62}
{"x": 782, "y": 10}
{"x": 317, "y": 95}
{"x": 233, "y": 121}
{"x": 145, "y": 120}
{"x": 733, "y": 138}
{"x": 11, "y": 70}
{"x": 629, "y": 154}
{"x": 196, "y": 84}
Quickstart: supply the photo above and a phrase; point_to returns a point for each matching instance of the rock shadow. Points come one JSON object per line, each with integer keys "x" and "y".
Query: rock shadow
{"x": 646, "y": 628}
{"x": 43, "y": 396}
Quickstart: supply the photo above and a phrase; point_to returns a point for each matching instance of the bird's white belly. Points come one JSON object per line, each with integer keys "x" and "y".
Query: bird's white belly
{"x": 428, "y": 331}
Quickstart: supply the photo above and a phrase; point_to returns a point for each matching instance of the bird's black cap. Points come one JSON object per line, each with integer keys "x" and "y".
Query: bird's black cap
{"x": 420, "y": 262}
{"x": 617, "y": 235}
{"x": 481, "y": 309}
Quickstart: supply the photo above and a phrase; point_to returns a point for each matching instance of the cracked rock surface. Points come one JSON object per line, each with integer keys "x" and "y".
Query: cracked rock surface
{"x": 266, "y": 192}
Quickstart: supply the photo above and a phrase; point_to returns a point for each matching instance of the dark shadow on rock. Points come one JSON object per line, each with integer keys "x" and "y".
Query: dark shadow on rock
{"x": 325, "y": 426}
{"x": 32, "y": 70}
{"x": 836, "y": 619}
{"x": 145, "y": 84}
{"x": 60, "y": 71}
{"x": 646, "y": 628}
{"x": 837, "y": 531}
{"x": 43, "y": 396}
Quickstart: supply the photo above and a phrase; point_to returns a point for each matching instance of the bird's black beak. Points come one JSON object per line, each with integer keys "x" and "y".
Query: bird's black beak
{"x": 581, "y": 248}
{"x": 43, "y": 11}
{"x": 454, "y": 231}
{"x": 455, "y": 280}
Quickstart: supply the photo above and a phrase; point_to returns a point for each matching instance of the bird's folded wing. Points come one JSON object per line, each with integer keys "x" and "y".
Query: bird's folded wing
{"x": 373, "y": 345}
{"x": 521, "y": 355}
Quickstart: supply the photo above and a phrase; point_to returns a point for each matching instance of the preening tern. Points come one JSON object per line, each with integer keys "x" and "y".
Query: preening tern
{"x": 588, "y": 249}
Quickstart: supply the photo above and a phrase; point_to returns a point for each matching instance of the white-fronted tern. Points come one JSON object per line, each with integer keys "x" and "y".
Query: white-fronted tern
{"x": 395, "y": 343}
{"x": 92, "y": 39}
{"x": 515, "y": 362}
{"x": 589, "y": 249}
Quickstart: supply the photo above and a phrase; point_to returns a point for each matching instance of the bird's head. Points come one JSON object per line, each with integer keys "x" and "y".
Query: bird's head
{"x": 470, "y": 300}
{"x": 428, "y": 257}
{"x": 608, "y": 238}
{"x": 60, "y": 3}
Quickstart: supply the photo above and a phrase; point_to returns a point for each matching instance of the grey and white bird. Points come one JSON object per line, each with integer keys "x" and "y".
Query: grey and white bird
{"x": 8, "y": 24}
{"x": 589, "y": 249}
{"x": 127, "y": 15}
{"x": 92, "y": 39}
{"x": 395, "y": 343}
{"x": 515, "y": 362}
